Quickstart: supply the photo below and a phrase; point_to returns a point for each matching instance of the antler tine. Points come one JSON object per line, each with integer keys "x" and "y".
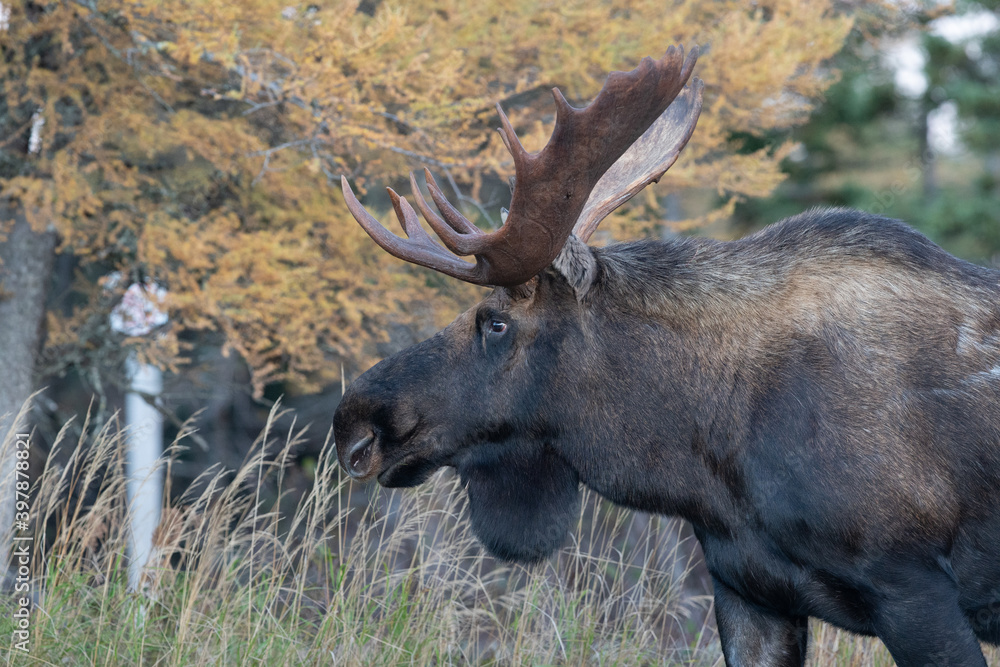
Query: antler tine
{"x": 510, "y": 139}
{"x": 456, "y": 220}
{"x": 453, "y": 218}
{"x": 453, "y": 239}
{"x": 563, "y": 108}
{"x": 468, "y": 243}
{"x": 409, "y": 221}
{"x": 436, "y": 221}
{"x": 427, "y": 254}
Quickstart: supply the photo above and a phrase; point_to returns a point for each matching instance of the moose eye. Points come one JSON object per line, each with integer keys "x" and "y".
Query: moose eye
{"x": 498, "y": 327}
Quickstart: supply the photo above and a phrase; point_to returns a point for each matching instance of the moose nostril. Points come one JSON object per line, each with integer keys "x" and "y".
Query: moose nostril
{"x": 360, "y": 456}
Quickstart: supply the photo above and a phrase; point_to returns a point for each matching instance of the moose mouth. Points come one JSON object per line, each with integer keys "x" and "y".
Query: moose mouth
{"x": 411, "y": 468}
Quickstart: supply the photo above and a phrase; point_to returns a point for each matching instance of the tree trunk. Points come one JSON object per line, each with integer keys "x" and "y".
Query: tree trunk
{"x": 25, "y": 272}
{"x": 144, "y": 426}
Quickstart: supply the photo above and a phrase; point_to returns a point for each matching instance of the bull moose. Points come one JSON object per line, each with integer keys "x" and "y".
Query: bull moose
{"x": 820, "y": 400}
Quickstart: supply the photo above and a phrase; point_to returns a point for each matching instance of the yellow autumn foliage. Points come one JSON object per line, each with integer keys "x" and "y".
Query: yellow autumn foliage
{"x": 199, "y": 143}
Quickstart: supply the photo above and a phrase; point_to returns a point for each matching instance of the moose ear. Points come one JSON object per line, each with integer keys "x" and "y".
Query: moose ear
{"x": 576, "y": 263}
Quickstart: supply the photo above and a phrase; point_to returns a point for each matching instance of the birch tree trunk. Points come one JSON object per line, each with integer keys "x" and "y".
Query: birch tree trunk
{"x": 144, "y": 426}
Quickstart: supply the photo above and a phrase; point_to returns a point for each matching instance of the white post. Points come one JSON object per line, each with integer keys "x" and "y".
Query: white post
{"x": 144, "y": 432}
{"x": 139, "y": 314}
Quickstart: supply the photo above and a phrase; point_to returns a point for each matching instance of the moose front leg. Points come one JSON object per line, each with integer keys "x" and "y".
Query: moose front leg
{"x": 753, "y": 636}
{"x": 918, "y": 618}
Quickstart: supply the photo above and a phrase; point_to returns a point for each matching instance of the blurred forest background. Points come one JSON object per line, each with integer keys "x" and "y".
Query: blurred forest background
{"x": 196, "y": 147}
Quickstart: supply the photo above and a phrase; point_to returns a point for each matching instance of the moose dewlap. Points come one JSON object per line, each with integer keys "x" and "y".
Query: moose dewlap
{"x": 821, "y": 400}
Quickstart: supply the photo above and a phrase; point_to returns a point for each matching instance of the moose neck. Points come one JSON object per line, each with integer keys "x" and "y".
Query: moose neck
{"x": 671, "y": 328}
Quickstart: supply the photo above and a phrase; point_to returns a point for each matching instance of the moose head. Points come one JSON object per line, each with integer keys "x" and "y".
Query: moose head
{"x": 496, "y": 392}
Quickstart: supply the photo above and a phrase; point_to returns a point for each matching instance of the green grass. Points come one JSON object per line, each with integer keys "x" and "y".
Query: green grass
{"x": 394, "y": 578}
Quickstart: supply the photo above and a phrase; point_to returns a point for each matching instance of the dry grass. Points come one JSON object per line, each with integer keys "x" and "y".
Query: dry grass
{"x": 396, "y": 579}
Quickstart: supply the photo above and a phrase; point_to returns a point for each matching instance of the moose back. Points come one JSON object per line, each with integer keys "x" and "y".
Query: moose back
{"x": 821, "y": 400}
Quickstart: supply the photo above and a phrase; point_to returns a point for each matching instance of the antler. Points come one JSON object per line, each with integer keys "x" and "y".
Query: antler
{"x": 645, "y": 161}
{"x": 576, "y": 173}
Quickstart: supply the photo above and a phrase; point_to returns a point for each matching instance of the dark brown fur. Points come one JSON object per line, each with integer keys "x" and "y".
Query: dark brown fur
{"x": 821, "y": 400}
